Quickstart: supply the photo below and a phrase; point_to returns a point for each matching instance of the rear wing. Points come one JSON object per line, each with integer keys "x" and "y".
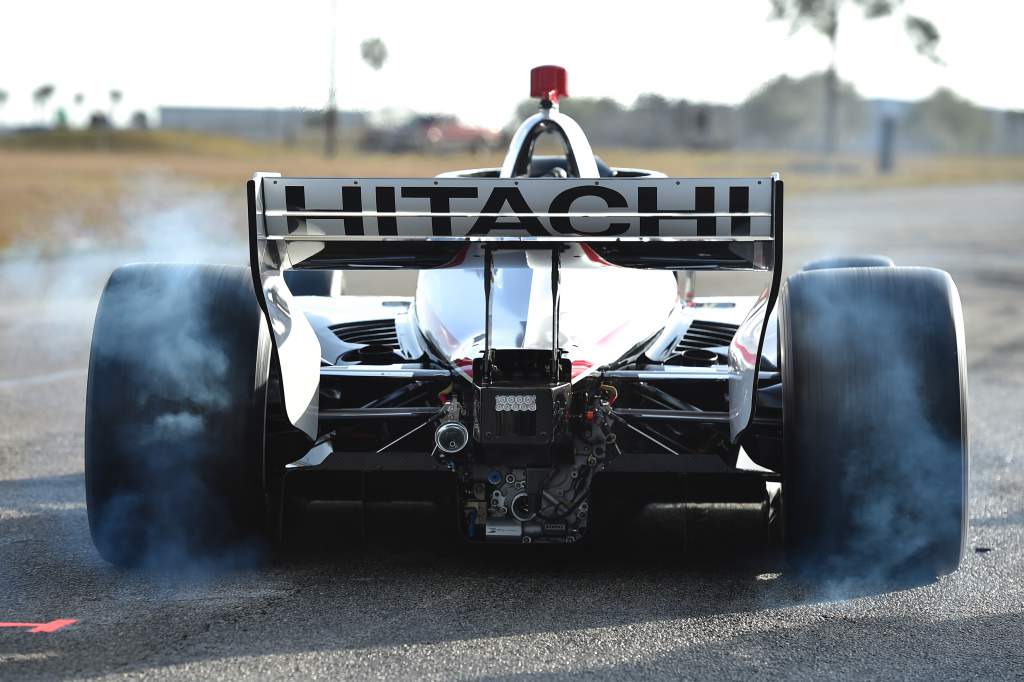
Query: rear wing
{"x": 672, "y": 223}
{"x": 375, "y": 223}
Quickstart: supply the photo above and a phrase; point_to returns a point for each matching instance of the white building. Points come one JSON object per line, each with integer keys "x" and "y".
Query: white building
{"x": 279, "y": 125}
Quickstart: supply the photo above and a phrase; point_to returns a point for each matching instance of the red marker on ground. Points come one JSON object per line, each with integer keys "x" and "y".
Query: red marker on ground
{"x": 52, "y": 626}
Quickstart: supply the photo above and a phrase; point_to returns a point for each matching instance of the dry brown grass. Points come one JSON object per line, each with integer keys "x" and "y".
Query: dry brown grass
{"x": 79, "y": 184}
{"x": 45, "y": 191}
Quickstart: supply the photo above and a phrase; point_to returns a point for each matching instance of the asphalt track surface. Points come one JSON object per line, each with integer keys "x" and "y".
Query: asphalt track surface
{"x": 699, "y": 592}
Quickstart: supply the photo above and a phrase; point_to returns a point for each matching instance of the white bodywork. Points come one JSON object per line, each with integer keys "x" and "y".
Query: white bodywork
{"x": 605, "y": 313}
{"x": 604, "y": 238}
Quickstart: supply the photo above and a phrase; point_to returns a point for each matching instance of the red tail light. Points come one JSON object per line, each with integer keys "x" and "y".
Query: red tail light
{"x": 549, "y": 82}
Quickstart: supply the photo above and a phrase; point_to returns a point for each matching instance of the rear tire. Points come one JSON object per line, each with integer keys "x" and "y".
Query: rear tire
{"x": 833, "y": 262}
{"x": 874, "y": 422}
{"x": 176, "y": 414}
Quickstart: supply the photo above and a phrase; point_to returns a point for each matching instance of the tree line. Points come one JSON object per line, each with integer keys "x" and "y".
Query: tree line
{"x": 787, "y": 114}
{"x": 57, "y": 116}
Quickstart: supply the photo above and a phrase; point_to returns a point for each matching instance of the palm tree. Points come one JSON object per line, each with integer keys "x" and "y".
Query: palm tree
{"x": 78, "y": 100}
{"x": 42, "y": 95}
{"x": 823, "y": 16}
{"x": 374, "y": 52}
{"x": 115, "y": 99}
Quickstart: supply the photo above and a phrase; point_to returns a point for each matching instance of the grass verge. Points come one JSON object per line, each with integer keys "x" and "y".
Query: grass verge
{"x": 61, "y": 188}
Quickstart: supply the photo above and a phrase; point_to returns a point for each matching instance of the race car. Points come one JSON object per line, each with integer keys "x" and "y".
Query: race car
{"x": 545, "y": 381}
{"x": 431, "y": 133}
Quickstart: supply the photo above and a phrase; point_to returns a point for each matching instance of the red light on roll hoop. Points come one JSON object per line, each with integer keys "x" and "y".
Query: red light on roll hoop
{"x": 549, "y": 82}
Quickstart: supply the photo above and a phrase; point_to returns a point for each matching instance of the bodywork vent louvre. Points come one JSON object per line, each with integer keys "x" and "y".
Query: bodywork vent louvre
{"x": 704, "y": 334}
{"x": 376, "y": 332}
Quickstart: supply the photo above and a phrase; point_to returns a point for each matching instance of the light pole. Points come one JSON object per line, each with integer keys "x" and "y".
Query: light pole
{"x": 331, "y": 114}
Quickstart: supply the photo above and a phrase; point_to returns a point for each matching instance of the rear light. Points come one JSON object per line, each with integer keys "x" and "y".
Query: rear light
{"x": 451, "y": 437}
{"x": 549, "y": 83}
